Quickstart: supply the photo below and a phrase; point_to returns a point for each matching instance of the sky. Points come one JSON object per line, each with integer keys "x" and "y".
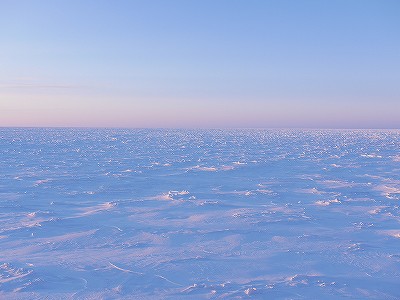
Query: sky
{"x": 204, "y": 63}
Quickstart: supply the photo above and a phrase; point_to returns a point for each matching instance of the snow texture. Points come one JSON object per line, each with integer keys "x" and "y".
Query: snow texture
{"x": 199, "y": 214}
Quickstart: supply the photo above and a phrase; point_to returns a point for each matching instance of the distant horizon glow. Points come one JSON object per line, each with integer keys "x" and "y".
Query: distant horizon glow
{"x": 274, "y": 64}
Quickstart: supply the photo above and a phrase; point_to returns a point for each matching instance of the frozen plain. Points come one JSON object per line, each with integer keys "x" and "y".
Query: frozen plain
{"x": 199, "y": 214}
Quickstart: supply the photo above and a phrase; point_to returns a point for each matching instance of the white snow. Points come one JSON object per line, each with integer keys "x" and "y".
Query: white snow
{"x": 199, "y": 214}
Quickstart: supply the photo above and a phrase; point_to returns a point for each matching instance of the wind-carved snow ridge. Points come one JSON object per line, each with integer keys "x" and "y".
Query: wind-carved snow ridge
{"x": 199, "y": 214}
{"x": 212, "y": 168}
{"x": 97, "y": 208}
{"x": 390, "y": 192}
{"x": 327, "y": 202}
{"x": 10, "y": 274}
{"x": 172, "y": 195}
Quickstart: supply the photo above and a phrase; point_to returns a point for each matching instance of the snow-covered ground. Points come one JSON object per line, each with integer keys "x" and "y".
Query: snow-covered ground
{"x": 197, "y": 214}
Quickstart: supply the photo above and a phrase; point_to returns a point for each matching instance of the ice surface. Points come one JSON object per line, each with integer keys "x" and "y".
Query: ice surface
{"x": 199, "y": 214}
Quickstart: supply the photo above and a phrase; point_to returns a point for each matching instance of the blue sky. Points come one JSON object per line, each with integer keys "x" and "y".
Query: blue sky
{"x": 201, "y": 63}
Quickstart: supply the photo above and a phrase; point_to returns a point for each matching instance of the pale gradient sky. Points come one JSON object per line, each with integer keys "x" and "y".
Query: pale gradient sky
{"x": 204, "y": 63}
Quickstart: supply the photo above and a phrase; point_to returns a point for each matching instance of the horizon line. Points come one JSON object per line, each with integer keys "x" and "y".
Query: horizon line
{"x": 193, "y": 128}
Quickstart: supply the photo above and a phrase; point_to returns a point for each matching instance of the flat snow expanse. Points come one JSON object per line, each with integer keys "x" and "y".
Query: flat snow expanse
{"x": 199, "y": 214}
